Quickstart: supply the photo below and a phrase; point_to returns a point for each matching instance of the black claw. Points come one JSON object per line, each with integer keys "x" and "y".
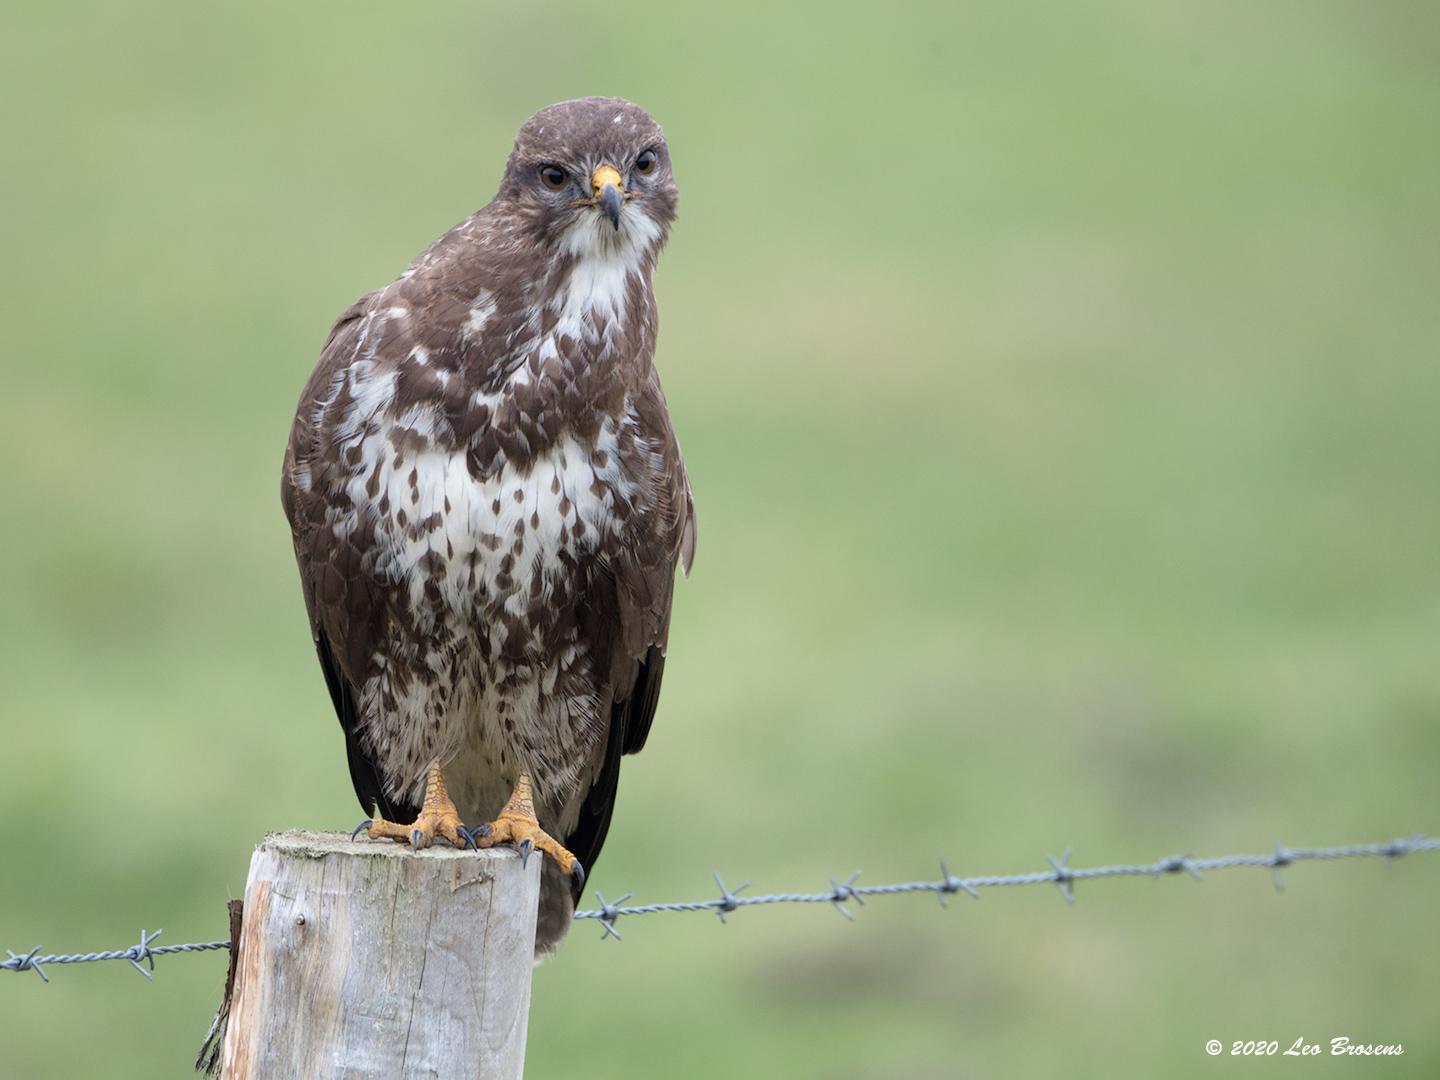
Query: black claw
{"x": 526, "y": 847}
{"x": 363, "y": 825}
{"x": 469, "y": 838}
{"x": 415, "y": 837}
{"x": 483, "y": 829}
{"x": 579, "y": 871}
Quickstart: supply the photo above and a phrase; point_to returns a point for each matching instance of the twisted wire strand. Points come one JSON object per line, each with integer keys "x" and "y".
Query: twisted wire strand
{"x": 840, "y": 895}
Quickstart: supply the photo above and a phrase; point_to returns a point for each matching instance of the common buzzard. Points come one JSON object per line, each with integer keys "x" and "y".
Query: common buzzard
{"x": 488, "y": 506}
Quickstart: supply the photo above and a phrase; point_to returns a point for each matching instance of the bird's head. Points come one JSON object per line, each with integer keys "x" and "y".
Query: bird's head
{"x": 592, "y": 178}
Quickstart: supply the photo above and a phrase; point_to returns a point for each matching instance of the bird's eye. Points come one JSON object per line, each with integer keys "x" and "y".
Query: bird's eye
{"x": 645, "y": 163}
{"x": 552, "y": 176}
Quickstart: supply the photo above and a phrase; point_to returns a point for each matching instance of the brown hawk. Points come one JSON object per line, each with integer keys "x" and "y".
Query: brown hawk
{"x": 488, "y": 506}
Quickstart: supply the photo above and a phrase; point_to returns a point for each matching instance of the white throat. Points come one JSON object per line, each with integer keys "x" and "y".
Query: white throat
{"x": 593, "y": 301}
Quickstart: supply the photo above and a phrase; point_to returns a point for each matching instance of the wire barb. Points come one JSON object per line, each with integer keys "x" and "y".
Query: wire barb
{"x": 841, "y": 891}
{"x": 1281, "y": 859}
{"x": 1176, "y": 863}
{"x": 25, "y": 962}
{"x": 728, "y": 901}
{"x": 607, "y": 915}
{"x": 141, "y": 952}
{"x": 1063, "y": 876}
{"x": 949, "y": 883}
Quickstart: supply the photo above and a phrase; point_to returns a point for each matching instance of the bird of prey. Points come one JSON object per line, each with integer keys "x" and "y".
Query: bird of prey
{"x": 488, "y": 506}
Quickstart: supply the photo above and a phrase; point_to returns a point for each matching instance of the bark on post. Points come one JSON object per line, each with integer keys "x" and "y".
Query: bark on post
{"x": 365, "y": 959}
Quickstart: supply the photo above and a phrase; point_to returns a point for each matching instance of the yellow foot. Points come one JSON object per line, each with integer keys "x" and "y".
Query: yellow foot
{"x": 518, "y": 825}
{"x": 438, "y": 817}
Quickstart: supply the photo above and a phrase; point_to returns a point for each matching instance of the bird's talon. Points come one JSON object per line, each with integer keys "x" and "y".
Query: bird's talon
{"x": 437, "y": 817}
{"x": 518, "y": 825}
{"x": 363, "y": 825}
{"x": 578, "y": 869}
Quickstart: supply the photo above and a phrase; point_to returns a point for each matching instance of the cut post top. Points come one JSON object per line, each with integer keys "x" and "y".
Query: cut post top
{"x": 303, "y": 843}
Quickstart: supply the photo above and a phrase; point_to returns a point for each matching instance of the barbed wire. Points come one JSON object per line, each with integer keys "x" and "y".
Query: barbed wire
{"x": 1061, "y": 874}
{"x": 138, "y": 955}
{"x": 840, "y": 894}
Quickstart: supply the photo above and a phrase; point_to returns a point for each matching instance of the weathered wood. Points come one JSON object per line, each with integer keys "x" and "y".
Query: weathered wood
{"x": 365, "y": 959}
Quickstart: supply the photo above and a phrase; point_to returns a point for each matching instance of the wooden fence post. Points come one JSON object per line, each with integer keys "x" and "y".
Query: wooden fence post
{"x": 365, "y": 959}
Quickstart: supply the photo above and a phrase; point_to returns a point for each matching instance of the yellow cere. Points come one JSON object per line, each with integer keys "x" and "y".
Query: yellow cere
{"x": 606, "y": 175}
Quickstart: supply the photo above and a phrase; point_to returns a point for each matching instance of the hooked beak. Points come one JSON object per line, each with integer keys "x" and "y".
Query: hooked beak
{"x": 609, "y": 191}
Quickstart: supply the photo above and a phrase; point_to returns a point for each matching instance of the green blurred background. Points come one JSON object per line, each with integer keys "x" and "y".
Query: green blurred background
{"x": 1059, "y": 387}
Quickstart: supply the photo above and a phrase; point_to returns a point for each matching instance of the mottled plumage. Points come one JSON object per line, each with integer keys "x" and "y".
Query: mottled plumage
{"x": 488, "y": 501}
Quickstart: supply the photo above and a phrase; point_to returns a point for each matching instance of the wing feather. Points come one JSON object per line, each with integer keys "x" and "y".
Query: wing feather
{"x": 329, "y": 575}
{"x": 631, "y": 623}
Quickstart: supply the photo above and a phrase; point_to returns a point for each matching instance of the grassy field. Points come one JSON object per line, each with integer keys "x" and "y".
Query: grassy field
{"x": 1059, "y": 388}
